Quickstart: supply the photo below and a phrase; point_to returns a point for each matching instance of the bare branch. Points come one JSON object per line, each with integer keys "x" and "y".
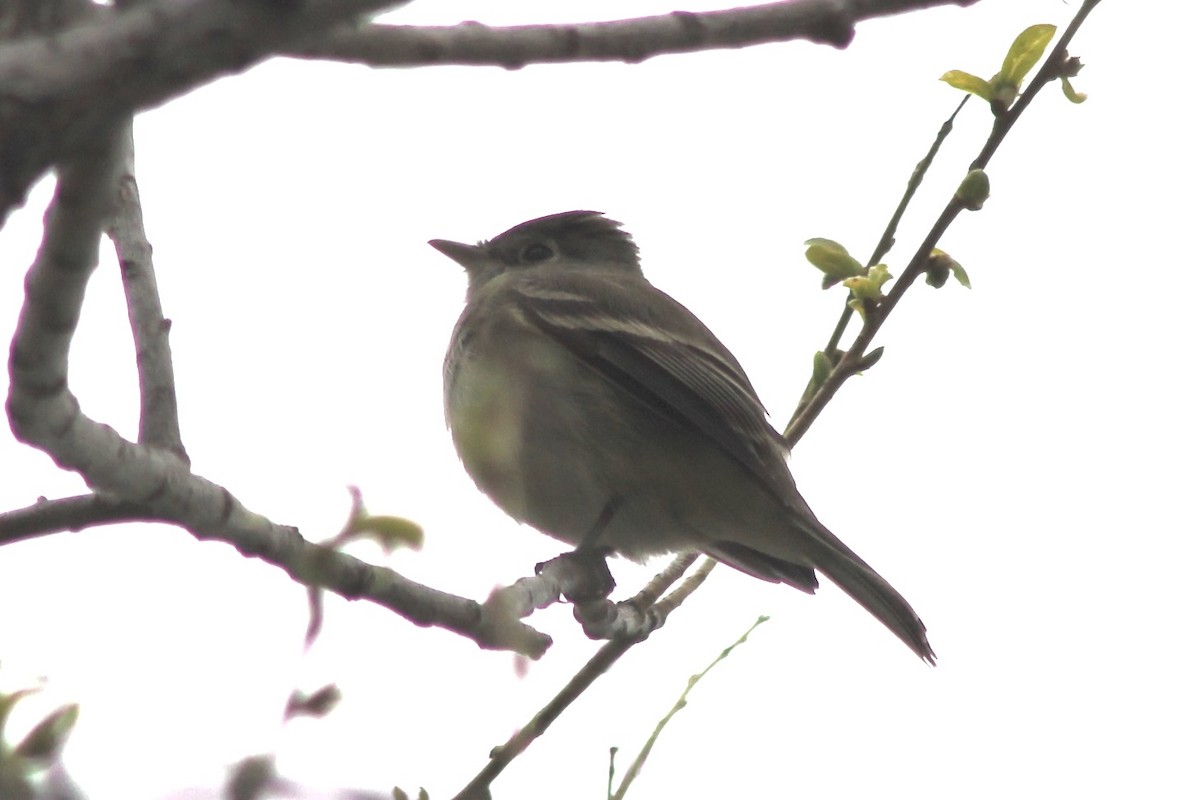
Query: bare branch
{"x": 66, "y": 514}
{"x": 159, "y": 418}
{"x": 631, "y": 41}
{"x": 305, "y": 562}
{"x": 57, "y": 90}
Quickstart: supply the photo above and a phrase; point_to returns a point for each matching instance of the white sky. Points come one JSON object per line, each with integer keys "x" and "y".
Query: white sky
{"x": 1021, "y": 464}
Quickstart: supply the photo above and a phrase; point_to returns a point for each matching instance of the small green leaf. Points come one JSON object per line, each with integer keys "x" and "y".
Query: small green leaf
{"x": 879, "y": 275}
{"x": 387, "y": 531}
{"x": 1069, "y": 91}
{"x": 866, "y": 290}
{"x": 47, "y": 737}
{"x": 960, "y": 274}
{"x": 969, "y": 83}
{"x": 869, "y": 286}
{"x": 1026, "y": 51}
{"x": 869, "y": 360}
{"x": 822, "y": 366}
{"x": 974, "y": 190}
{"x": 832, "y": 259}
{"x": 1001, "y": 91}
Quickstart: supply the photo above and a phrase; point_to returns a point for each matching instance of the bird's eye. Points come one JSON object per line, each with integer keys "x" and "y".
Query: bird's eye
{"x": 536, "y": 253}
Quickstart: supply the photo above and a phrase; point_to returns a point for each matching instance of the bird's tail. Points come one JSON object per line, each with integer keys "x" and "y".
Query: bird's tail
{"x": 856, "y": 578}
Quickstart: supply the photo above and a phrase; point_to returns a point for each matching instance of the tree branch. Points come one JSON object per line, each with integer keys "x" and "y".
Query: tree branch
{"x": 850, "y": 363}
{"x": 66, "y": 514}
{"x": 158, "y": 421}
{"x": 630, "y": 41}
{"x": 57, "y": 90}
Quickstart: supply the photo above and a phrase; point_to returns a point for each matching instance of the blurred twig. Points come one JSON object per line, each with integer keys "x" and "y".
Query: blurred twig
{"x": 636, "y": 767}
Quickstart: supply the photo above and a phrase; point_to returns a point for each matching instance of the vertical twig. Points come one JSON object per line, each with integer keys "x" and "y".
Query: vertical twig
{"x": 159, "y": 419}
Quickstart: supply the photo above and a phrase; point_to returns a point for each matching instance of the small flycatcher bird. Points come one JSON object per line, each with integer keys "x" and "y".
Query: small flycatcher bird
{"x": 589, "y": 404}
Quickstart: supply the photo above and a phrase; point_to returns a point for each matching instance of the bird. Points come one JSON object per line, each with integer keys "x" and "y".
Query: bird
{"x": 592, "y": 406}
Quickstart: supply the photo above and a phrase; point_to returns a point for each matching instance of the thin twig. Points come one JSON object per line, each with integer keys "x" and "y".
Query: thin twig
{"x": 1051, "y": 71}
{"x": 640, "y": 760}
{"x": 886, "y": 240}
{"x": 849, "y": 364}
{"x": 682, "y": 592}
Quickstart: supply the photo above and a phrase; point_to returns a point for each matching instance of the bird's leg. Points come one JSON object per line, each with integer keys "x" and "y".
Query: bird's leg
{"x": 593, "y": 580}
{"x": 602, "y": 519}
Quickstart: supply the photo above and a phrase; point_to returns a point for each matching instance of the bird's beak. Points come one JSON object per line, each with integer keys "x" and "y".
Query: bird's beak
{"x": 468, "y": 256}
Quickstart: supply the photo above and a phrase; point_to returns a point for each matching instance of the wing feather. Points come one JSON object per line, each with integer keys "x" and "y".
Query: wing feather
{"x": 663, "y": 356}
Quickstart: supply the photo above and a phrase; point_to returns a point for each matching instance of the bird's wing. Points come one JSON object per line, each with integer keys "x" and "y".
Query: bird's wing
{"x": 652, "y": 347}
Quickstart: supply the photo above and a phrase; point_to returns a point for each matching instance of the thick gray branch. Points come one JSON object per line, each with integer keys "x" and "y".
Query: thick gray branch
{"x": 632, "y": 40}
{"x": 58, "y": 89}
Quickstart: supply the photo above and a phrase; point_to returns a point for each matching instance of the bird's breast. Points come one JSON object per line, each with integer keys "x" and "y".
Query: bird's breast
{"x": 507, "y": 390}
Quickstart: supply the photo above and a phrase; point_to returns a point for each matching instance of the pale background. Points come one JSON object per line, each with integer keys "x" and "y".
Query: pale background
{"x": 1021, "y": 464}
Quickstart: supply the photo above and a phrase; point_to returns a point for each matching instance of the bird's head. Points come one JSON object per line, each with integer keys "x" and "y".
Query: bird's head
{"x": 570, "y": 240}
